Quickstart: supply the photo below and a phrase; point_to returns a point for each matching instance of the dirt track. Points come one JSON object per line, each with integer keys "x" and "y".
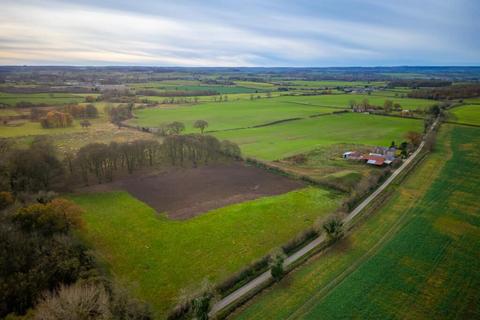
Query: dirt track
{"x": 185, "y": 193}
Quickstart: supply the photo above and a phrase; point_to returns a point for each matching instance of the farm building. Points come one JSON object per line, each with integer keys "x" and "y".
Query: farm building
{"x": 379, "y": 157}
{"x": 352, "y": 155}
{"x": 376, "y": 160}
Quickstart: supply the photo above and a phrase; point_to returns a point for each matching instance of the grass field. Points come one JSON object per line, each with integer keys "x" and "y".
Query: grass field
{"x": 469, "y": 114}
{"x": 228, "y": 115}
{"x": 343, "y": 100}
{"x": 290, "y": 138}
{"x": 332, "y": 83}
{"x": 37, "y": 98}
{"x": 416, "y": 258}
{"x": 27, "y": 128}
{"x": 246, "y": 113}
{"x": 158, "y": 257}
{"x": 192, "y": 85}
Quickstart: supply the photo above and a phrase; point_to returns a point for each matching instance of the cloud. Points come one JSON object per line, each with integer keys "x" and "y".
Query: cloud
{"x": 228, "y": 34}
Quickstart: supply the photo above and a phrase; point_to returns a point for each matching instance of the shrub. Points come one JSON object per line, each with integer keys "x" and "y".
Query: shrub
{"x": 292, "y": 246}
{"x": 277, "y": 270}
{"x": 75, "y": 302}
{"x": 57, "y": 216}
{"x": 334, "y": 228}
{"x": 243, "y": 276}
{"x": 6, "y": 199}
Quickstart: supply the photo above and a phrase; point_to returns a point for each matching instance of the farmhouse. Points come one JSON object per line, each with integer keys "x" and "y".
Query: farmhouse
{"x": 379, "y": 156}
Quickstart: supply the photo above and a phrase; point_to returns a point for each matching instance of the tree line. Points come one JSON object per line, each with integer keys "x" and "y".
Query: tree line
{"x": 447, "y": 93}
{"x": 38, "y": 167}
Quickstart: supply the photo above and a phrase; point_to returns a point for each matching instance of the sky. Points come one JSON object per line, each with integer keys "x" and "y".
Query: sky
{"x": 265, "y": 33}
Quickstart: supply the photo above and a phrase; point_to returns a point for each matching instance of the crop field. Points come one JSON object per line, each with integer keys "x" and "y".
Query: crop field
{"x": 37, "y": 98}
{"x": 469, "y": 114}
{"x": 157, "y": 257}
{"x": 228, "y": 115}
{"x": 417, "y": 257}
{"x": 290, "y": 138}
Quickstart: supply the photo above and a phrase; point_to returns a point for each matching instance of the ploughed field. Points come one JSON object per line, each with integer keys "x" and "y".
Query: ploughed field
{"x": 417, "y": 257}
{"x": 182, "y": 193}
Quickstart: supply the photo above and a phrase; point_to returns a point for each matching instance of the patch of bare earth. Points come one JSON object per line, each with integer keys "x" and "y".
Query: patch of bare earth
{"x": 183, "y": 193}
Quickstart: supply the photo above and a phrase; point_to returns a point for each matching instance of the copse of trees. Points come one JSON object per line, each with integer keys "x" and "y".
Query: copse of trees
{"x": 102, "y": 160}
{"x": 33, "y": 169}
{"x": 197, "y": 149}
{"x": 119, "y": 113}
{"x": 43, "y": 261}
{"x": 56, "y": 119}
{"x": 38, "y": 253}
{"x": 172, "y": 128}
{"x": 79, "y": 111}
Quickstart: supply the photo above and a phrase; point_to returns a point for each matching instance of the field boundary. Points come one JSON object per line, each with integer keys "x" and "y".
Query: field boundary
{"x": 265, "y": 278}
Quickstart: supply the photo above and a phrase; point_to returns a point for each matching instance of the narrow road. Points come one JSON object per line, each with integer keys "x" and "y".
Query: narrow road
{"x": 266, "y": 276}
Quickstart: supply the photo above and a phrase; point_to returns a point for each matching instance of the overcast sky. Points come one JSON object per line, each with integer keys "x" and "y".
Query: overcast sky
{"x": 240, "y": 33}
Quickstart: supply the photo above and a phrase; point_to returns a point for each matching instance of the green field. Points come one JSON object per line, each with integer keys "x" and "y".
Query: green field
{"x": 37, "y": 98}
{"x": 246, "y": 113}
{"x": 192, "y": 85}
{"x": 290, "y": 138}
{"x": 331, "y": 83}
{"x": 27, "y": 128}
{"x": 228, "y": 115}
{"x": 158, "y": 257}
{"x": 343, "y": 100}
{"x": 416, "y": 258}
{"x": 469, "y": 114}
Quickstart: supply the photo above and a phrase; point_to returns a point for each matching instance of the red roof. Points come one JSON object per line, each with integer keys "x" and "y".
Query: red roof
{"x": 376, "y": 160}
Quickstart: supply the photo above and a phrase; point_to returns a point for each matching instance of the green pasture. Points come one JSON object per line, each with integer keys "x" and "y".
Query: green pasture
{"x": 28, "y": 128}
{"x": 416, "y": 258}
{"x": 158, "y": 258}
{"x": 193, "y": 85}
{"x": 255, "y": 85}
{"x": 228, "y": 115}
{"x": 330, "y": 83}
{"x": 472, "y": 100}
{"x": 343, "y": 100}
{"x": 469, "y": 114}
{"x": 290, "y": 138}
{"x": 37, "y": 98}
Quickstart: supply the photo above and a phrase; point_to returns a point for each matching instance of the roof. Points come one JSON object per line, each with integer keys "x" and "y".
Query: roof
{"x": 375, "y": 160}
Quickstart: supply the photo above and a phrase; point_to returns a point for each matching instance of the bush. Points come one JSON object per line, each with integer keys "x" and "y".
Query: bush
{"x": 334, "y": 228}
{"x": 243, "y": 276}
{"x": 6, "y": 199}
{"x": 55, "y": 119}
{"x": 294, "y": 244}
{"x": 277, "y": 270}
{"x": 75, "y": 302}
{"x": 57, "y": 216}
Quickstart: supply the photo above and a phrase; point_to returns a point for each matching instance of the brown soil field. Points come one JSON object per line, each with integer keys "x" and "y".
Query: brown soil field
{"x": 183, "y": 193}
